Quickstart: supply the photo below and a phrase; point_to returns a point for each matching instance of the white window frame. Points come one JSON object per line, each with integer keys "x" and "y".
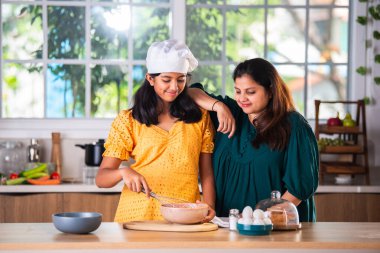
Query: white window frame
{"x": 98, "y": 128}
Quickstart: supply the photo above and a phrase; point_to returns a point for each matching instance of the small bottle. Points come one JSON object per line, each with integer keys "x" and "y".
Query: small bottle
{"x": 33, "y": 151}
{"x": 233, "y": 218}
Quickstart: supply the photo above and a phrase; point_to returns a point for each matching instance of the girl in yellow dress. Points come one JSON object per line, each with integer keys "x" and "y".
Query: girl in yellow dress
{"x": 167, "y": 135}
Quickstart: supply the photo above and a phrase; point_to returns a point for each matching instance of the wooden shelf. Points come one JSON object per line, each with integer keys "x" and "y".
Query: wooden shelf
{"x": 348, "y": 149}
{"x": 350, "y": 135}
{"x": 325, "y": 129}
{"x": 343, "y": 168}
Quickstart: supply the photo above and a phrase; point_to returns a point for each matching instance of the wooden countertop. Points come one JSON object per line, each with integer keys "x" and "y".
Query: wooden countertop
{"x": 322, "y": 236}
{"x": 116, "y": 189}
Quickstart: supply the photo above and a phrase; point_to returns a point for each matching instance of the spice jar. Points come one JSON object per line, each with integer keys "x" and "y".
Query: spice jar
{"x": 233, "y": 218}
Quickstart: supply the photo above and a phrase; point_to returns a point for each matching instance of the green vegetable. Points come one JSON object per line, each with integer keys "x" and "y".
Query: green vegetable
{"x": 37, "y": 175}
{"x": 41, "y": 167}
{"x": 16, "y": 181}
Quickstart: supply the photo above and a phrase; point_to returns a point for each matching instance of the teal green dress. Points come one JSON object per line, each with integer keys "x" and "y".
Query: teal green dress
{"x": 244, "y": 175}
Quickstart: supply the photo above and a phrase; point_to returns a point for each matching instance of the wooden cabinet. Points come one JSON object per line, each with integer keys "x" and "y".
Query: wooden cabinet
{"x": 355, "y": 143}
{"x": 343, "y": 207}
{"x": 38, "y": 207}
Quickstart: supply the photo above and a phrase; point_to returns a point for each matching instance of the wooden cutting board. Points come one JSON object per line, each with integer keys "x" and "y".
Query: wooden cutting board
{"x": 169, "y": 227}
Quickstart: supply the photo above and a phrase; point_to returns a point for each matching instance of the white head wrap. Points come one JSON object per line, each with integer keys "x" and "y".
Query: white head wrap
{"x": 170, "y": 56}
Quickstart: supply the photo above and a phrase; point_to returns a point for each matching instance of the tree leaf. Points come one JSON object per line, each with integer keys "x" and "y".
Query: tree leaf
{"x": 377, "y": 58}
{"x": 376, "y": 35}
{"x": 362, "y": 20}
{"x": 367, "y": 100}
{"x": 374, "y": 12}
{"x": 377, "y": 80}
{"x": 361, "y": 70}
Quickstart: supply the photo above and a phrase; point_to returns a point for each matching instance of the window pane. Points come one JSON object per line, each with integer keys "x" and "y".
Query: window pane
{"x": 326, "y": 2}
{"x": 294, "y": 78}
{"x": 109, "y": 90}
{"x": 328, "y": 35}
{"x": 287, "y": 2}
{"x": 245, "y": 34}
{"x": 151, "y": 1}
{"x": 210, "y": 77}
{"x": 114, "y": 1}
{"x": 233, "y": 2}
{"x": 65, "y": 91}
{"x": 326, "y": 82}
{"x": 109, "y": 32}
{"x": 149, "y": 25}
{"x": 22, "y": 37}
{"x": 204, "y": 1}
{"x": 66, "y": 32}
{"x": 204, "y": 33}
{"x": 139, "y": 72}
{"x": 286, "y": 29}
{"x": 22, "y": 91}
{"x": 230, "y": 84}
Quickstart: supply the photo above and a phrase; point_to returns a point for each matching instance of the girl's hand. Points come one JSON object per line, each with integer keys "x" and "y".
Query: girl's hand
{"x": 134, "y": 180}
{"x": 225, "y": 118}
{"x": 211, "y": 213}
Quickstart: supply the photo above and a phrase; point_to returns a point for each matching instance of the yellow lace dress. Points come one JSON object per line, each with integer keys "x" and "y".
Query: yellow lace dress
{"x": 167, "y": 159}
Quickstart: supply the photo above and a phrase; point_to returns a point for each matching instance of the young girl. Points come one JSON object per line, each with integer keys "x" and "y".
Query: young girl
{"x": 272, "y": 148}
{"x": 168, "y": 136}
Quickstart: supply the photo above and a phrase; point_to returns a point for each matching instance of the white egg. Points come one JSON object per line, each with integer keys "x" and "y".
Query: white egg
{"x": 258, "y": 214}
{"x": 267, "y": 221}
{"x": 240, "y": 221}
{"x": 247, "y": 221}
{"x": 266, "y": 214}
{"x": 247, "y": 212}
{"x": 258, "y": 222}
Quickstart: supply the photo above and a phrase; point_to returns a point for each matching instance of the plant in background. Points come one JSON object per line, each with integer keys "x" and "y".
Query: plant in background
{"x": 373, "y": 14}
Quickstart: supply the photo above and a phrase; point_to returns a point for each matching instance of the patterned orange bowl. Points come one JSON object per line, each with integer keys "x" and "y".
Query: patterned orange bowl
{"x": 184, "y": 213}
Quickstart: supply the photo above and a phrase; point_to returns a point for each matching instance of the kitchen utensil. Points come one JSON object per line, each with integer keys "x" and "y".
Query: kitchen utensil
{"x": 93, "y": 152}
{"x": 169, "y": 227}
{"x": 184, "y": 213}
{"x": 56, "y": 154}
{"x": 164, "y": 199}
{"x": 77, "y": 222}
{"x": 245, "y": 229}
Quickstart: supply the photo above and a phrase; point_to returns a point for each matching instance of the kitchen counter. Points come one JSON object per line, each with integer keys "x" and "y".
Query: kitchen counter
{"x": 321, "y": 237}
{"x": 93, "y": 188}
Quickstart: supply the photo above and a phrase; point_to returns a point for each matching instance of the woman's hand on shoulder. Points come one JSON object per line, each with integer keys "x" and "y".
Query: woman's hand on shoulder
{"x": 226, "y": 119}
{"x": 134, "y": 180}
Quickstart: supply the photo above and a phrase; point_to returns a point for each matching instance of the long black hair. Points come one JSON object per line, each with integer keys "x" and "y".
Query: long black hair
{"x": 146, "y": 107}
{"x": 272, "y": 125}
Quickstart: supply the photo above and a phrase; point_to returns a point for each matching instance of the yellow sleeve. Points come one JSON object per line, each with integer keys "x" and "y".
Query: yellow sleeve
{"x": 208, "y": 133}
{"x": 120, "y": 141}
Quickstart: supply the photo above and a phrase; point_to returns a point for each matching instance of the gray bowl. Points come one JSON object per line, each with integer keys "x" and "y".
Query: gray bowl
{"x": 77, "y": 222}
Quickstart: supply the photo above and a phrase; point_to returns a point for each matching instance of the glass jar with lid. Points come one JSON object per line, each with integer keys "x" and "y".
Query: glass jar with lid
{"x": 283, "y": 213}
{"x": 13, "y": 157}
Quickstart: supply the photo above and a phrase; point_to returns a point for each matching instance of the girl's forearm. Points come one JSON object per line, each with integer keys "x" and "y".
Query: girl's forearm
{"x": 290, "y": 197}
{"x": 207, "y": 179}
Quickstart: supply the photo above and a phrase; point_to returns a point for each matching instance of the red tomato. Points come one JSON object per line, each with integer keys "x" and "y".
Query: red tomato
{"x": 13, "y": 176}
{"x": 55, "y": 175}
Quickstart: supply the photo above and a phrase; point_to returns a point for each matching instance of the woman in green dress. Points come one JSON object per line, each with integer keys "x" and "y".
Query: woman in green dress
{"x": 272, "y": 147}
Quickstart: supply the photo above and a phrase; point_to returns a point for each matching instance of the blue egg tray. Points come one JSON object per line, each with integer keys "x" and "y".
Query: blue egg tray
{"x": 254, "y": 229}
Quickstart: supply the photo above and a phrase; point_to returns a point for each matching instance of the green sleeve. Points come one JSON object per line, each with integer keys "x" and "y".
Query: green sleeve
{"x": 301, "y": 162}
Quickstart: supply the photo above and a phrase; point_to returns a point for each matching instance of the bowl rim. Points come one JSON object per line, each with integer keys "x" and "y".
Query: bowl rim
{"x": 64, "y": 215}
{"x": 196, "y": 207}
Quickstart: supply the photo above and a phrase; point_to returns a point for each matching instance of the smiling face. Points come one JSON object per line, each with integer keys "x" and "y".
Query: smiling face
{"x": 251, "y": 96}
{"x": 168, "y": 85}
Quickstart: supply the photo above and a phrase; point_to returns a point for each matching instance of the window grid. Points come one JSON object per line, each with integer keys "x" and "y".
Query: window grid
{"x": 131, "y": 62}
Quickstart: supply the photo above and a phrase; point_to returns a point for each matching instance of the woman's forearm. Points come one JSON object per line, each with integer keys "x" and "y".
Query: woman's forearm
{"x": 290, "y": 197}
{"x": 202, "y": 99}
